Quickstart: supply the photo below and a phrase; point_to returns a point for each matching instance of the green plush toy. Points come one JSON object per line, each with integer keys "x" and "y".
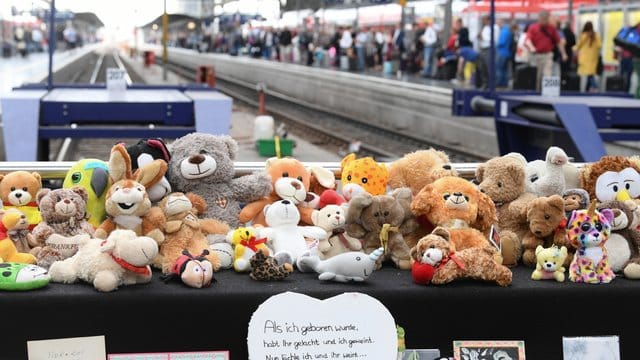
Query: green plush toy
{"x": 21, "y": 277}
{"x": 93, "y": 176}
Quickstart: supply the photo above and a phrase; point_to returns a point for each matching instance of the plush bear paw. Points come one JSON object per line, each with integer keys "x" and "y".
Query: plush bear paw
{"x": 632, "y": 271}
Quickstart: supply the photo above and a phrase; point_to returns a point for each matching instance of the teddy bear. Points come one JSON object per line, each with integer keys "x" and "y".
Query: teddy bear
{"x": 265, "y": 267}
{"x": 22, "y": 238}
{"x": 93, "y": 176}
{"x": 18, "y": 189}
{"x": 449, "y": 264}
{"x": 9, "y": 219}
{"x": 417, "y": 169}
{"x": 63, "y": 223}
{"x": 144, "y": 152}
{"x": 382, "y": 221}
{"x": 547, "y": 222}
{"x": 575, "y": 199}
{"x": 203, "y": 164}
{"x": 503, "y": 180}
{"x": 552, "y": 175}
{"x": 290, "y": 180}
{"x": 123, "y": 258}
{"x": 245, "y": 244}
{"x": 588, "y": 231}
{"x": 183, "y": 230}
{"x": 611, "y": 178}
{"x": 549, "y": 263}
{"x": 332, "y": 219}
{"x": 127, "y": 203}
{"x": 284, "y": 236}
{"x": 457, "y": 205}
{"x": 623, "y": 245}
{"x": 362, "y": 175}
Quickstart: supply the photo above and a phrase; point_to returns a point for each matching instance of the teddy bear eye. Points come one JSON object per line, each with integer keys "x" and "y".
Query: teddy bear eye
{"x": 139, "y": 189}
{"x": 364, "y": 180}
{"x": 328, "y": 215}
{"x": 337, "y": 212}
{"x": 466, "y": 198}
{"x": 386, "y": 213}
{"x": 348, "y": 177}
{"x": 299, "y": 178}
{"x": 446, "y": 196}
{"x": 376, "y": 214}
{"x": 285, "y": 174}
{"x": 598, "y": 226}
{"x": 499, "y": 184}
{"x": 585, "y": 226}
{"x": 547, "y": 217}
{"x": 25, "y": 189}
{"x": 13, "y": 188}
{"x": 203, "y": 152}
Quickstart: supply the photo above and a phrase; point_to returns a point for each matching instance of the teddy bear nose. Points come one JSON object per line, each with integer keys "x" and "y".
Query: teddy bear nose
{"x": 196, "y": 159}
{"x": 286, "y": 202}
{"x": 457, "y": 194}
{"x": 295, "y": 185}
{"x": 547, "y": 265}
{"x": 538, "y": 232}
{"x": 18, "y": 195}
{"x": 67, "y": 201}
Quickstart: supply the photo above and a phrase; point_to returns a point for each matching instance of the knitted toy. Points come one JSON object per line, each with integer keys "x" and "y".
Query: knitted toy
{"x": 21, "y": 277}
{"x": 203, "y": 164}
{"x": 588, "y": 231}
{"x": 265, "y": 267}
{"x": 623, "y": 246}
{"x": 344, "y": 267}
{"x": 9, "y": 219}
{"x": 438, "y": 251}
{"x": 122, "y": 259}
{"x": 362, "y": 175}
{"x": 144, "y": 152}
{"x": 550, "y": 263}
{"x": 612, "y": 178}
{"x": 93, "y": 176}
{"x": 196, "y": 272}
{"x": 382, "y": 221}
{"x": 420, "y": 168}
{"x": 63, "y": 223}
{"x": 18, "y": 189}
{"x": 245, "y": 245}
{"x": 546, "y": 227}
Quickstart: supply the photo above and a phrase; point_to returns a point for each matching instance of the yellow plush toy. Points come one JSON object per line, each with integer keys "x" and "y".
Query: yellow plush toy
{"x": 245, "y": 244}
{"x": 18, "y": 190}
{"x": 362, "y": 175}
{"x": 8, "y": 252}
{"x": 549, "y": 263}
{"x": 93, "y": 176}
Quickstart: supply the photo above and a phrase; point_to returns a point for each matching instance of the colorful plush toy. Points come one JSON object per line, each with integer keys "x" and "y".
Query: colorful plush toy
{"x": 183, "y": 230}
{"x": 63, "y": 223}
{"x": 546, "y": 227}
{"x": 612, "y": 178}
{"x": 575, "y": 199}
{"x": 122, "y": 259}
{"x": 362, "y": 175}
{"x": 290, "y": 180}
{"x": 9, "y": 219}
{"x": 266, "y": 268}
{"x": 332, "y": 218}
{"x": 344, "y": 267}
{"x": 144, "y": 152}
{"x": 23, "y": 239}
{"x": 420, "y": 168}
{"x": 127, "y": 203}
{"x": 458, "y": 206}
{"x": 20, "y": 277}
{"x": 503, "y": 180}
{"x": 93, "y": 176}
{"x": 450, "y": 265}
{"x": 245, "y": 245}
{"x": 196, "y": 272}
{"x": 623, "y": 245}
{"x": 549, "y": 263}
{"x": 18, "y": 189}
{"x": 588, "y": 231}
{"x": 203, "y": 164}
{"x": 382, "y": 221}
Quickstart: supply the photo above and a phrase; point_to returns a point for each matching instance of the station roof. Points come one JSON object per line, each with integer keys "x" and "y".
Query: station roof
{"x": 89, "y": 18}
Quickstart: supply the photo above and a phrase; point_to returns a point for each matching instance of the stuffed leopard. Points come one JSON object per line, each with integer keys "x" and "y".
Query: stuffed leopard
{"x": 265, "y": 267}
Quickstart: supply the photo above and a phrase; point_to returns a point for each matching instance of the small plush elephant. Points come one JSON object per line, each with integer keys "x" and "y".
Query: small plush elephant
{"x": 382, "y": 221}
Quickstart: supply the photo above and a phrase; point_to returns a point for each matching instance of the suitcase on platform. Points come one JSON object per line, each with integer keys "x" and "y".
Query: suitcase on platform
{"x": 570, "y": 82}
{"x": 614, "y": 83}
{"x": 525, "y": 78}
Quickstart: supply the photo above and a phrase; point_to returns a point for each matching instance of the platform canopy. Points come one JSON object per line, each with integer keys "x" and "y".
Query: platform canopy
{"x": 525, "y": 6}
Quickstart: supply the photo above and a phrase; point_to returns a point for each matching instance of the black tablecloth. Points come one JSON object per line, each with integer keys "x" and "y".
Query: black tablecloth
{"x": 171, "y": 317}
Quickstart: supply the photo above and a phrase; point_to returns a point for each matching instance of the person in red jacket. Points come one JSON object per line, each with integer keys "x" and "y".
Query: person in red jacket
{"x": 542, "y": 39}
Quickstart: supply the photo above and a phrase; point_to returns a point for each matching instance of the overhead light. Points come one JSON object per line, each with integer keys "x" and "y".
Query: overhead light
{"x": 191, "y": 25}
{"x": 154, "y": 27}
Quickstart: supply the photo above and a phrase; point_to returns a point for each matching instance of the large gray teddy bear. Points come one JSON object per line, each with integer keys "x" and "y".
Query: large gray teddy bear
{"x": 203, "y": 164}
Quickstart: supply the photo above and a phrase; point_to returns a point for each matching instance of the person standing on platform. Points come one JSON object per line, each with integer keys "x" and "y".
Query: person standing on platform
{"x": 542, "y": 38}
{"x": 400, "y": 48}
{"x": 267, "y": 43}
{"x": 361, "y": 43}
{"x": 588, "y": 48}
{"x": 626, "y": 66}
{"x": 569, "y": 43}
{"x": 484, "y": 56}
{"x": 429, "y": 41}
{"x": 503, "y": 48}
{"x": 285, "y": 45}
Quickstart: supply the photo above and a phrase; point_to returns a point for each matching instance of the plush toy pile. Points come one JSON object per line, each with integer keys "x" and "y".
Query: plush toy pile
{"x": 181, "y": 208}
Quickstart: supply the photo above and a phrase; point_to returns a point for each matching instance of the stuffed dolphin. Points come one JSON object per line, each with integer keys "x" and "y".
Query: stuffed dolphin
{"x": 345, "y": 267}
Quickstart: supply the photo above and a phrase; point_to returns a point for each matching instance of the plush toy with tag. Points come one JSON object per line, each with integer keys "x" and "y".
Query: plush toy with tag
{"x": 196, "y": 272}
{"x": 550, "y": 263}
{"x": 9, "y": 220}
{"x": 18, "y": 190}
{"x": 93, "y": 176}
{"x": 144, "y": 152}
{"x": 344, "y": 267}
{"x": 245, "y": 244}
{"x": 266, "y": 268}
{"x": 362, "y": 175}
{"x": 21, "y": 277}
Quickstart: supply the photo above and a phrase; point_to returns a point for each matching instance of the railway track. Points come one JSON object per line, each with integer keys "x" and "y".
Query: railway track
{"x": 330, "y": 129}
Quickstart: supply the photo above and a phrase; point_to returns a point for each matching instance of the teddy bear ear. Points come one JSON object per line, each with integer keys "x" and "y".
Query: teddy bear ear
{"x": 197, "y": 202}
{"x": 539, "y": 249}
{"x": 480, "y": 173}
{"x": 81, "y": 191}
{"x": 442, "y": 232}
{"x": 557, "y": 202}
{"x": 41, "y": 193}
{"x": 315, "y": 214}
{"x": 232, "y": 146}
{"x": 269, "y": 162}
{"x": 325, "y": 177}
{"x": 37, "y": 176}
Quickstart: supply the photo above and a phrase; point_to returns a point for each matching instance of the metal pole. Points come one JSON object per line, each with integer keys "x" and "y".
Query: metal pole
{"x": 52, "y": 43}
{"x": 492, "y": 49}
{"x": 165, "y": 25}
{"x": 570, "y": 13}
{"x": 446, "y": 32}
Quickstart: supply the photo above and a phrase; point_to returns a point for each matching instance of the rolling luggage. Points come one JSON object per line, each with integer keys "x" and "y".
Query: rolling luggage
{"x": 570, "y": 82}
{"x": 525, "y": 78}
{"x": 614, "y": 83}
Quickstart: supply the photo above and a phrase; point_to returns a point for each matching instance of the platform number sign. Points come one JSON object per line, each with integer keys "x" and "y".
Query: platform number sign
{"x": 550, "y": 86}
{"x": 116, "y": 79}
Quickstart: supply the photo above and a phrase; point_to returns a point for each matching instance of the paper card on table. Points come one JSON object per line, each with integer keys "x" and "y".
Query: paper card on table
{"x": 79, "y": 348}
{"x": 192, "y": 355}
{"x": 292, "y": 326}
{"x": 591, "y": 348}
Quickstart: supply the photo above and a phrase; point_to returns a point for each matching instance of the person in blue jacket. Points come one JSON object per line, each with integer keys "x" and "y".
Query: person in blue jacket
{"x": 503, "y": 50}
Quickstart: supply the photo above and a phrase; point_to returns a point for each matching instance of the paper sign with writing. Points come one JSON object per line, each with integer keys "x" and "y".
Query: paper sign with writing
{"x": 80, "y": 348}
{"x": 292, "y": 326}
{"x": 198, "y": 355}
{"x": 116, "y": 79}
{"x": 551, "y": 86}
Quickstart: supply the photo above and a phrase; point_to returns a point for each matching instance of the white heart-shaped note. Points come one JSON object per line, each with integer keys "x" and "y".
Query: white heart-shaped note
{"x": 293, "y": 326}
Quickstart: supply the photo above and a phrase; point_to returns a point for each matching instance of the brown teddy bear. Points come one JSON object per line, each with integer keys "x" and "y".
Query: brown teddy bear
{"x": 183, "y": 230}
{"x": 382, "y": 221}
{"x": 290, "y": 180}
{"x": 64, "y": 223}
{"x": 450, "y": 264}
{"x": 608, "y": 178}
{"x": 503, "y": 180}
{"x": 623, "y": 246}
{"x": 418, "y": 169}
{"x": 18, "y": 189}
{"x": 457, "y": 205}
{"x": 547, "y": 222}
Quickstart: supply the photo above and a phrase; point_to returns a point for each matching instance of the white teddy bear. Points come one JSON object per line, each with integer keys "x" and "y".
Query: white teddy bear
{"x": 122, "y": 259}
{"x": 284, "y": 236}
{"x": 332, "y": 218}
